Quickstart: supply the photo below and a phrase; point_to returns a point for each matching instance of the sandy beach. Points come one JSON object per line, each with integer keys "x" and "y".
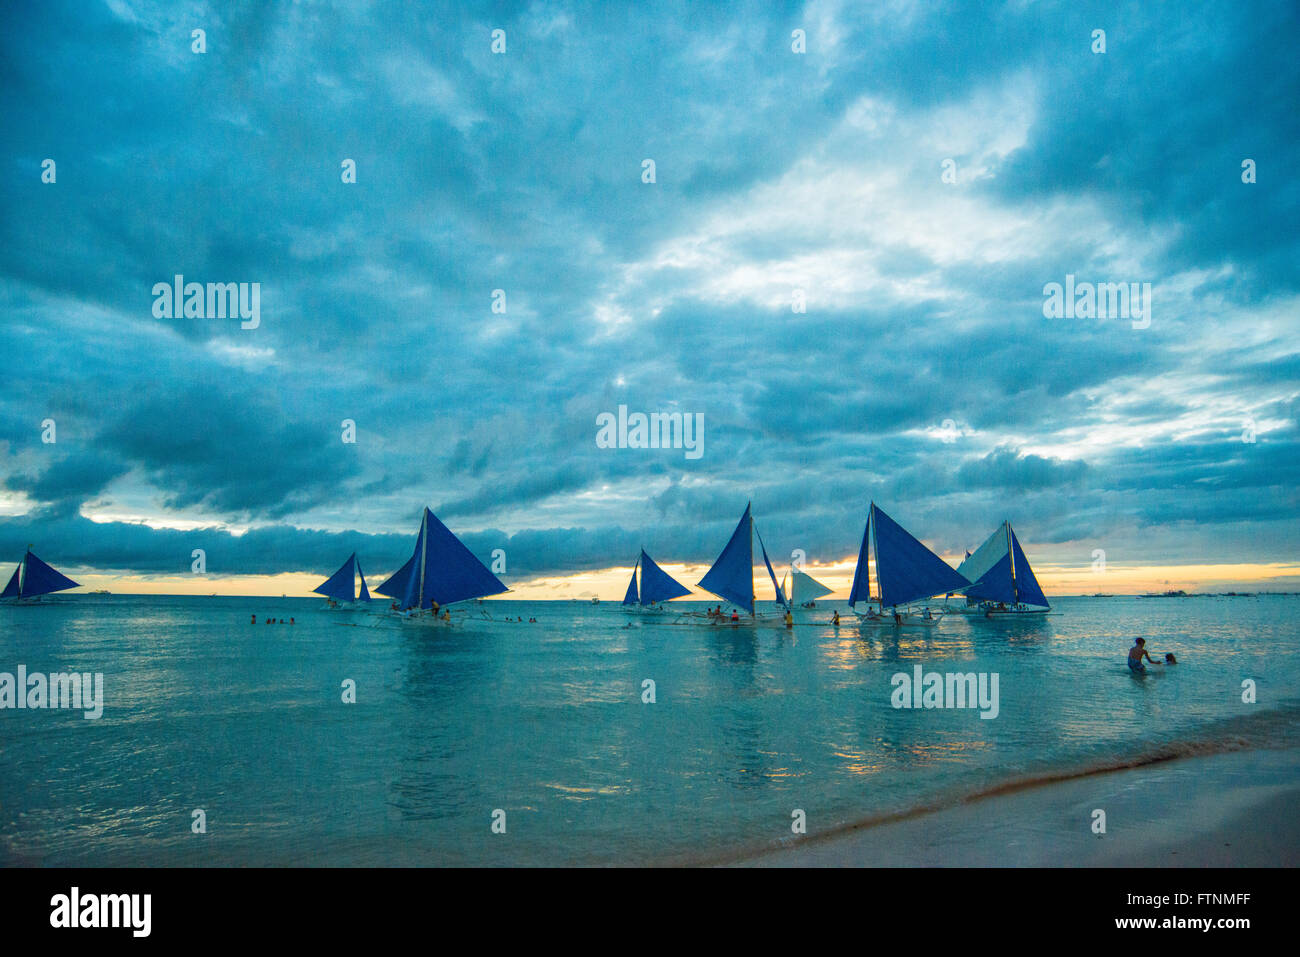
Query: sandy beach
{"x": 1236, "y": 809}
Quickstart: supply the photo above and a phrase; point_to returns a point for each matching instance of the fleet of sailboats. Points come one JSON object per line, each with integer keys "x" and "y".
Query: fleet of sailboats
{"x": 895, "y": 580}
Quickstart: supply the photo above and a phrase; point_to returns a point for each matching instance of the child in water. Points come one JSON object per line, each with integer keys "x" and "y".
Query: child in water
{"x": 1135, "y": 656}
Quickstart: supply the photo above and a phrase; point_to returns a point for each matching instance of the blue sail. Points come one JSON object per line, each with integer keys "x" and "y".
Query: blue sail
{"x": 780, "y": 595}
{"x": 1028, "y": 590}
{"x": 995, "y": 584}
{"x": 907, "y": 571}
{"x": 41, "y": 579}
{"x": 732, "y": 576}
{"x": 395, "y": 586}
{"x": 365, "y": 592}
{"x": 861, "y": 590}
{"x": 341, "y": 586}
{"x": 451, "y": 572}
{"x": 630, "y": 598}
{"x": 441, "y": 570}
{"x": 11, "y": 590}
{"x": 656, "y": 584}
{"x": 410, "y": 597}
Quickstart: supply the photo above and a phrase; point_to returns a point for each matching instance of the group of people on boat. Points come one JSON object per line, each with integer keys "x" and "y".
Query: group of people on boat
{"x": 1138, "y": 652}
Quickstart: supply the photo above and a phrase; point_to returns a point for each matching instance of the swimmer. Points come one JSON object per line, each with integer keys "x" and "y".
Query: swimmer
{"x": 1135, "y": 656}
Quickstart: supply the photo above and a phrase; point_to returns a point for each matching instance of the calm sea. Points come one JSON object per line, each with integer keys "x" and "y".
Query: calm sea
{"x": 546, "y": 723}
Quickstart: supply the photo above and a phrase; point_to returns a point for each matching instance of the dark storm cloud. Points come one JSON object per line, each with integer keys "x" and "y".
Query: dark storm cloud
{"x": 522, "y": 172}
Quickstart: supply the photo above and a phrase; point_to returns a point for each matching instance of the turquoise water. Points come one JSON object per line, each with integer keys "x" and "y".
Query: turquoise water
{"x": 546, "y": 723}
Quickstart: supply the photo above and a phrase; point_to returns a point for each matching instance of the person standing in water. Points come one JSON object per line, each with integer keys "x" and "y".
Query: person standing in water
{"x": 1136, "y": 654}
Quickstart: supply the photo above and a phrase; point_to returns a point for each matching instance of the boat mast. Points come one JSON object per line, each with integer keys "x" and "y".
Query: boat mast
{"x": 1011, "y": 555}
{"x": 749, "y": 510}
{"x": 424, "y": 551}
{"x": 873, "y": 549}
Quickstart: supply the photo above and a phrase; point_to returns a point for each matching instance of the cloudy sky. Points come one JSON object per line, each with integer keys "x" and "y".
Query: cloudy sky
{"x": 918, "y": 176}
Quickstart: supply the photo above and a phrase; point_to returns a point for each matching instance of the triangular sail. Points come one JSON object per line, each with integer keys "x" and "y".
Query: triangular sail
{"x": 1028, "y": 591}
{"x": 395, "y": 585}
{"x": 341, "y": 586}
{"x": 732, "y": 576}
{"x": 415, "y": 584}
{"x": 907, "y": 571}
{"x": 861, "y": 590}
{"x": 11, "y": 590}
{"x": 996, "y": 584}
{"x": 365, "y": 592}
{"x": 975, "y": 566}
{"x": 442, "y": 570}
{"x": 41, "y": 579}
{"x": 806, "y": 588}
{"x": 656, "y": 584}
{"x": 780, "y": 593}
{"x": 630, "y": 596}
{"x": 1001, "y": 573}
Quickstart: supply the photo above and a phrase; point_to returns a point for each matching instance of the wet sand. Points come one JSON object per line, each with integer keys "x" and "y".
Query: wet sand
{"x": 1237, "y": 809}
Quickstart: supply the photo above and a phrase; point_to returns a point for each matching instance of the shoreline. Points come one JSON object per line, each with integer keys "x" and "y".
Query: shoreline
{"x": 1230, "y": 809}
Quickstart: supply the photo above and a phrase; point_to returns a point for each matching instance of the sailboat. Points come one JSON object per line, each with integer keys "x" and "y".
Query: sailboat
{"x": 33, "y": 578}
{"x": 340, "y": 589}
{"x": 906, "y": 572}
{"x": 657, "y": 586}
{"x": 1002, "y": 581}
{"x": 805, "y": 590}
{"x": 440, "y": 572}
{"x": 731, "y": 578}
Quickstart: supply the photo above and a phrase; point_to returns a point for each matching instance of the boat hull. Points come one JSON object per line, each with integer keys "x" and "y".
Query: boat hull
{"x": 901, "y": 620}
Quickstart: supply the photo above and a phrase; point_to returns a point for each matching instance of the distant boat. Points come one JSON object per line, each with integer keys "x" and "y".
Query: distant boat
{"x": 805, "y": 590}
{"x": 440, "y": 571}
{"x": 731, "y": 578}
{"x": 1002, "y": 583}
{"x": 657, "y": 586}
{"x": 33, "y": 578}
{"x": 341, "y": 588}
{"x": 906, "y": 572}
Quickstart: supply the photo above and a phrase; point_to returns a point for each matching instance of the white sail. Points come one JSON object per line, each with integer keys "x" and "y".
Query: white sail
{"x": 977, "y": 564}
{"x": 806, "y": 588}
